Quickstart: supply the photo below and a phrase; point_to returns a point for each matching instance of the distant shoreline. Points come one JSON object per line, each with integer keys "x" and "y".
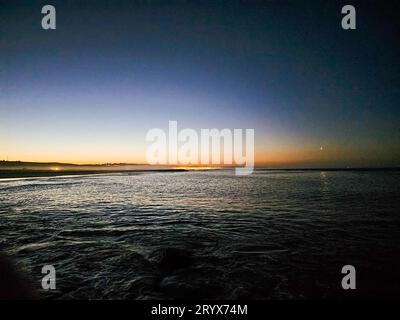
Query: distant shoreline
{"x": 12, "y": 174}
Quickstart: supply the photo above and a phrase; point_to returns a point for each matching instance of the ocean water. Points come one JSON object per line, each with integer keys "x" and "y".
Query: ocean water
{"x": 208, "y": 235}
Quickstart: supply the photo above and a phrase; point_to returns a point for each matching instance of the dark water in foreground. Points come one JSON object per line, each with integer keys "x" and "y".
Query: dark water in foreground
{"x": 207, "y": 234}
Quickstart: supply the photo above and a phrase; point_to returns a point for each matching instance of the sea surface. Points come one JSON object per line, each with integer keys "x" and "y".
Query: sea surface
{"x": 208, "y": 235}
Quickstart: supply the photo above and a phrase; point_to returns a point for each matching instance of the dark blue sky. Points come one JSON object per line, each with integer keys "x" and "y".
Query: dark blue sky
{"x": 89, "y": 90}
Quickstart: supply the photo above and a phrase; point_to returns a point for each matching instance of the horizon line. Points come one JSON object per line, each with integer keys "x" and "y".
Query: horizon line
{"x": 210, "y": 166}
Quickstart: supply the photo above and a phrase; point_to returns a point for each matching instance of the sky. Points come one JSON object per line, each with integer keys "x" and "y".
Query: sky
{"x": 88, "y": 92}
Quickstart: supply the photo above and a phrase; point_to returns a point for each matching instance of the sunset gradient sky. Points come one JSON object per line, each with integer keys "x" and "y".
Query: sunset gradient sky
{"x": 89, "y": 91}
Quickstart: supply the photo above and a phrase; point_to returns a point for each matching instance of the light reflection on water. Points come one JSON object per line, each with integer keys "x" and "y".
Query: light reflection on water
{"x": 278, "y": 234}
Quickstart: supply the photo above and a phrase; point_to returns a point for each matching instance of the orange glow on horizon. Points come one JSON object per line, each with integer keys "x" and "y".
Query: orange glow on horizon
{"x": 268, "y": 154}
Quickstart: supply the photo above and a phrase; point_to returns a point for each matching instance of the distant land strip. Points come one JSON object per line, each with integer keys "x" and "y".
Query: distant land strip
{"x": 8, "y": 174}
